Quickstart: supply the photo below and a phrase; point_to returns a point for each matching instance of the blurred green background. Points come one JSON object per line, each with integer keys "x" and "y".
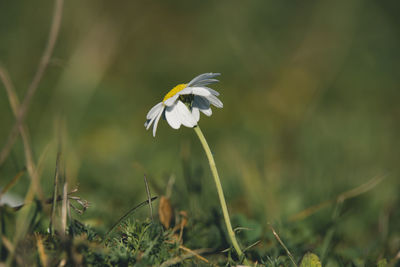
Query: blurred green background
{"x": 310, "y": 92}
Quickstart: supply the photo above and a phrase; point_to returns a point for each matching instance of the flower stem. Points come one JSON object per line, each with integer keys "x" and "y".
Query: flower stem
{"x": 219, "y": 190}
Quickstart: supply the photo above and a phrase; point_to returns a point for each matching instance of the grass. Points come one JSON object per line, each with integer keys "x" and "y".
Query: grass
{"x": 305, "y": 144}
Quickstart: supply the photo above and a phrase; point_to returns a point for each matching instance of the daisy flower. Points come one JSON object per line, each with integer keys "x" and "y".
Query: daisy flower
{"x": 182, "y": 105}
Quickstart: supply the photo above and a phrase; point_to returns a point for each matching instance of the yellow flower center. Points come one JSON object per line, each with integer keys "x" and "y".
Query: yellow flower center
{"x": 174, "y": 91}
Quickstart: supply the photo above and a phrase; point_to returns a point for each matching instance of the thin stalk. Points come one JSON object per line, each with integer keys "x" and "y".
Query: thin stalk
{"x": 126, "y": 215}
{"x": 148, "y": 197}
{"x": 55, "y": 194}
{"x": 217, "y": 181}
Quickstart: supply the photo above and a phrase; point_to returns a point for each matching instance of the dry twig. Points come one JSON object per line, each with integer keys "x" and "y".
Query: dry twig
{"x": 15, "y": 106}
{"x": 369, "y": 185}
{"x": 44, "y": 62}
{"x": 283, "y": 245}
{"x": 179, "y": 259}
{"x": 148, "y": 197}
{"x": 197, "y": 255}
{"x": 41, "y": 250}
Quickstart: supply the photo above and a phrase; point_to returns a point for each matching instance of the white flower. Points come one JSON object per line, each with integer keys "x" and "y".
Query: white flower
{"x": 182, "y": 105}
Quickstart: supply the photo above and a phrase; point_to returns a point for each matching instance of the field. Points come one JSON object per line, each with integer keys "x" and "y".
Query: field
{"x": 306, "y": 144}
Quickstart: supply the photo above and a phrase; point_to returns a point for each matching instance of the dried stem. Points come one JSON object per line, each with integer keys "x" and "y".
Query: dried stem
{"x": 44, "y": 62}
{"x": 64, "y": 209}
{"x": 55, "y": 193}
{"x": 148, "y": 197}
{"x": 283, "y": 245}
{"x": 361, "y": 189}
{"x": 15, "y": 106}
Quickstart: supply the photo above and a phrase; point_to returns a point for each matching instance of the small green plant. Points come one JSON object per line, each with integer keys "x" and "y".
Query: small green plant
{"x": 136, "y": 243}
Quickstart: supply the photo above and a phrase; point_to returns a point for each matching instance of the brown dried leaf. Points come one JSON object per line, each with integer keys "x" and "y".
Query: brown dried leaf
{"x": 165, "y": 212}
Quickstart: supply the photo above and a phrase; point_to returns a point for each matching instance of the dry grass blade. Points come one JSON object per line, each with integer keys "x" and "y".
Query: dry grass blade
{"x": 41, "y": 251}
{"x": 283, "y": 245}
{"x": 148, "y": 197}
{"x": 64, "y": 209}
{"x": 179, "y": 259}
{"x": 369, "y": 185}
{"x": 55, "y": 193}
{"x": 44, "y": 62}
{"x": 361, "y": 189}
{"x": 311, "y": 210}
{"x": 197, "y": 255}
{"x": 8, "y": 85}
{"x": 22, "y": 221}
{"x": 9, "y": 246}
{"x": 11, "y": 183}
{"x": 14, "y": 102}
{"x": 39, "y": 170}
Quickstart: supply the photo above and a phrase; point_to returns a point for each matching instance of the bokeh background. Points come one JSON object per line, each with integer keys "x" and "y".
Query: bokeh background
{"x": 311, "y": 108}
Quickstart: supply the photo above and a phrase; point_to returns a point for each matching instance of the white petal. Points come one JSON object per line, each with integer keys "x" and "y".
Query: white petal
{"x": 201, "y": 77}
{"x": 200, "y": 102}
{"x": 215, "y": 101}
{"x": 185, "y": 115}
{"x": 212, "y": 91}
{"x": 186, "y": 91}
{"x": 150, "y": 121}
{"x": 171, "y": 101}
{"x": 196, "y": 113}
{"x": 172, "y": 117}
{"x": 200, "y": 91}
{"x": 207, "y": 112}
{"x": 205, "y": 82}
{"x": 154, "y": 111}
{"x": 156, "y": 122}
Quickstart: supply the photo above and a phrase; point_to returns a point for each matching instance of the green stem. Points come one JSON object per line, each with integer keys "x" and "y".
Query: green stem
{"x": 219, "y": 190}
